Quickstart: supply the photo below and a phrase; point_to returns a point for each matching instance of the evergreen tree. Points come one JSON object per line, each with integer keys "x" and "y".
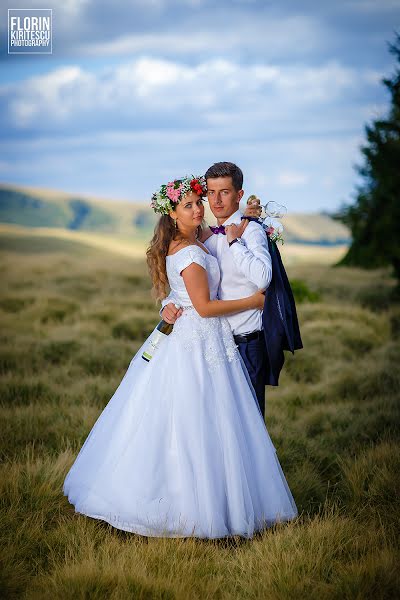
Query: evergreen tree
{"x": 374, "y": 219}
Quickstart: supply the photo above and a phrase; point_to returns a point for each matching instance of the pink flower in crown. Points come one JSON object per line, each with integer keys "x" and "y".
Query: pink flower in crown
{"x": 172, "y": 193}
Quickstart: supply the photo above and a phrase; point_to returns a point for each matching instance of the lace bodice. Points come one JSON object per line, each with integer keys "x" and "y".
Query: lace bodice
{"x": 182, "y": 259}
{"x": 212, "y": 335}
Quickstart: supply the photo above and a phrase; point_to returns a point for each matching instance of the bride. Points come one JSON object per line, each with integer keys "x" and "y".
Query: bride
{"x": 181, "y": 449}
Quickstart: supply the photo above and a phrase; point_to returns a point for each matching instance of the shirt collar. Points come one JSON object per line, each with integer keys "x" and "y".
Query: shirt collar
{"x": 235, "y": 218}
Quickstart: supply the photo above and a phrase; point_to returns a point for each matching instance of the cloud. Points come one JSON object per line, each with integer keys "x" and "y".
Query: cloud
{"x": 144, "y": 91}
{"x": 304, "y": 173}
{"x": 49, "y": 99}
{"x": 138, "y": 92}
{"x": 372, "y": 6}
{"x": 85, "y": 28}
{"x": 291, "y": 179}
{"x": 231, "y": 32}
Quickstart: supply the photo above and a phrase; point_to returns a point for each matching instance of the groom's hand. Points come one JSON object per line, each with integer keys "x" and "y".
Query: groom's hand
{"x": 253, "y": 208}
{"x": 170, "y": 313}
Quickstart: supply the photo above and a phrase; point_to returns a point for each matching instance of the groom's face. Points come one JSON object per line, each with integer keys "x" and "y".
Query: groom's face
{"x": 222, "y": 197}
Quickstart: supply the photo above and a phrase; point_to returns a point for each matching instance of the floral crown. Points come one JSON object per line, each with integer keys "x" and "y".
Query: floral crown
{"x": 169, "y": 194}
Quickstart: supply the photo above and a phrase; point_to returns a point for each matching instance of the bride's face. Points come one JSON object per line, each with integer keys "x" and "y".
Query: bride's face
{"x": 190, "y": 211}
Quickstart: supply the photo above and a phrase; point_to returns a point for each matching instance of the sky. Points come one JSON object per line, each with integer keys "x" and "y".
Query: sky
{"x": 138, "y": 93}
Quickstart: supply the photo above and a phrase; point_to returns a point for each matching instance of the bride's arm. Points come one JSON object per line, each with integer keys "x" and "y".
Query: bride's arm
{"x": 196, "y": 282}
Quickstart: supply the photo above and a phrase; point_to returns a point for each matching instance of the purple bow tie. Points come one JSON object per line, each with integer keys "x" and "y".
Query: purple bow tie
{"x": 219, "y": 229}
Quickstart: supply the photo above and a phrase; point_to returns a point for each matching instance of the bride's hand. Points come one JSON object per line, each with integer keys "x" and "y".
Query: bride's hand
{"x": 258, "y": 299}
{"x": 235, "y": 231}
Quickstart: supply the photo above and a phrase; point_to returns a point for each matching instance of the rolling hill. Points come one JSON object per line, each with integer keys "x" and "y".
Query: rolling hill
{"x": 43, "y": 208}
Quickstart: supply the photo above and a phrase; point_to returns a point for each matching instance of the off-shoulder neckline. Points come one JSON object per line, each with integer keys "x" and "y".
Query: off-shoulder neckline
{"x": 188, "y": 246}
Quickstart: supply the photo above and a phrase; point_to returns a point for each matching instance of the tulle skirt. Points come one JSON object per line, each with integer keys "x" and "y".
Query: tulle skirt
{"x": 181, "y": 449}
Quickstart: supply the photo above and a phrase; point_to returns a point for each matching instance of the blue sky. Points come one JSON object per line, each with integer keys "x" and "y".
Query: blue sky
{"x": 137, "y": 93}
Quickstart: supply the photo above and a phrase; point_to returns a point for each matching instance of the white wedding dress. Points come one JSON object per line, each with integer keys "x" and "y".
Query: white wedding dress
{"x": 182, "y": 449}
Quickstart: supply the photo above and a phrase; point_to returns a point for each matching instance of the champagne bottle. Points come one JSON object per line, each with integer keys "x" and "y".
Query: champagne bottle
{"x": 156, "y": 339}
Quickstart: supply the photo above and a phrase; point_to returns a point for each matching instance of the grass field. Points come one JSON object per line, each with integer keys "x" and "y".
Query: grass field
{"x": 72, "y": 316}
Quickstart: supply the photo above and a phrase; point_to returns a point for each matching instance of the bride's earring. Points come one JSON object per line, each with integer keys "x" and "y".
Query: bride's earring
{"x": 174, "y": 220}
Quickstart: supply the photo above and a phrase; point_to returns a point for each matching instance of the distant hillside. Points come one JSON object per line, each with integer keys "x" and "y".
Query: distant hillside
{"x": 33, "y": 207}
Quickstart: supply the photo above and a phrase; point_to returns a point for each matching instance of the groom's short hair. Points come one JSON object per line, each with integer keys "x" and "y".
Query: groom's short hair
{"x": 226, "y": 169}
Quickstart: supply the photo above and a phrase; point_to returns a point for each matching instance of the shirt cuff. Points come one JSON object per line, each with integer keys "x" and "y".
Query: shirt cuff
{"x": 237, "y": 248}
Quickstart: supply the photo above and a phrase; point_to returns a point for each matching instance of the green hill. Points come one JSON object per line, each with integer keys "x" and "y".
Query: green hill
{"x": 35, "y": 207}
{"x": 46, "y": 208}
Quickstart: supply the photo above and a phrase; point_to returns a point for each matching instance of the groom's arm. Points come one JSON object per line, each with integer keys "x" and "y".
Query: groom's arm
{"x": 254, "y": 259}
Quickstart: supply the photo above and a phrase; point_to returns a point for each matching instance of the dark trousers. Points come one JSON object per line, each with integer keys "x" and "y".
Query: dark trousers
{"x": 254, "y": 354}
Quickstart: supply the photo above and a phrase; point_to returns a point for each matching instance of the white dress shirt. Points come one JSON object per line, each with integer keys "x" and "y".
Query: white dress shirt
{"x": 244, "y": 270}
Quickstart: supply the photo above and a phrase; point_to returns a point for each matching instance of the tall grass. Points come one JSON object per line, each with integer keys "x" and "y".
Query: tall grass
{"x": 70, "y": 324}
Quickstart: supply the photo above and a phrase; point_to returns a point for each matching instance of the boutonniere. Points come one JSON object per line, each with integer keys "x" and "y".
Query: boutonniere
{"x": 274, "y": 234}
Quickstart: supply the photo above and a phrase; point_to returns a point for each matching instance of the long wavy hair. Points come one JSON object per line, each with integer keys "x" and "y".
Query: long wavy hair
{"x": 164, "y": 232}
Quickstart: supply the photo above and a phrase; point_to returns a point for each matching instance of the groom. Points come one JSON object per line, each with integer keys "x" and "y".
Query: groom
{"x": 245, "y": 264}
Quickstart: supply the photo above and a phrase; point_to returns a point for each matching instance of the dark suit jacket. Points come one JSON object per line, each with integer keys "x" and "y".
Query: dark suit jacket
{"x": 281, "y": 326}
{"x": 280, "y": 323}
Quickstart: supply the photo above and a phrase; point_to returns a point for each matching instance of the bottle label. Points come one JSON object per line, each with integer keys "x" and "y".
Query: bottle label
{"x": 154, "y": 343}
